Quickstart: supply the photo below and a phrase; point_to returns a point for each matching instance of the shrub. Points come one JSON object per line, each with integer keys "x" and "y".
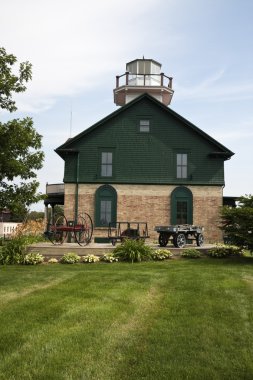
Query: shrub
{"x": 1, "y": 257}
{"x": 90, "y": 259}
{"x": 191, "y": 253}
{"x": 33, "y": 258}
{"x": 109, "y": 258}
{"x": 237, "y": 222}
{"x": 70, "y": 258}
{"x": 14, "y": 251}
{"x": 133, "y": 251}
{"x": 52, "y": 261}
{"x": 223, "y": 250}
{"x": 161, "y": 254}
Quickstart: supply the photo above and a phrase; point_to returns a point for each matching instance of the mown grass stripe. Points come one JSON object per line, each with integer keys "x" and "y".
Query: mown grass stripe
{"x": 177, "y": 319}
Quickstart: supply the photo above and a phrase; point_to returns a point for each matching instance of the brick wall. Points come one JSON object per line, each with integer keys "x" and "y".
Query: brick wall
{"x": 151, "y": 204}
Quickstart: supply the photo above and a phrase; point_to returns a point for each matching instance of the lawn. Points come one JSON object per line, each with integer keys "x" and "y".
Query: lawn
{"x": 180, "y": 319}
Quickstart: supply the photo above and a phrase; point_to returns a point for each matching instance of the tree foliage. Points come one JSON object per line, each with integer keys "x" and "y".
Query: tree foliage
{"x": 20, "y": 154}
{"x": 237, "y": 223}
{"x": 35, "y": 215}
{"x": 11, "y": 83}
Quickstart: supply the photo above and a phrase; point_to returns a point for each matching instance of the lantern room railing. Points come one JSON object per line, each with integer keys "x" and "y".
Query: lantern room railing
{"x": 128, "y": 79}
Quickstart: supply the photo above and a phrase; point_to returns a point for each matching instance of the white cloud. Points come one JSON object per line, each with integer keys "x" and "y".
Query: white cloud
{"x": 215, "y": 88}
{"x": 234, "y": 135}
{"x": 236, "y": 132}
{"x": 73, "y": 45}
{"x": 77, "y": 47}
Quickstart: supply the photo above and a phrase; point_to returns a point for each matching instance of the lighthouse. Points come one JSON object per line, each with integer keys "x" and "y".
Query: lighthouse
{"x": 143, "y": 76}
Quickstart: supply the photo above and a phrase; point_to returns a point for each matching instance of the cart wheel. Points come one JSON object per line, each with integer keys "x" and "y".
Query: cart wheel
{"x": 174, "y": 239}
{"x": 180, "y": 240}
{"x": 58, "y": 231}
{"x": 83, "y": 229}
{"x": 163, "y": 240}
{"x": 200, "y": 240}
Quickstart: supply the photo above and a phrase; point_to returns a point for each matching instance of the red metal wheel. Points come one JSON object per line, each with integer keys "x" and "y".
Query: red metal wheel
{"x": 59, "y": 230}
{"x": 83, "y": 229}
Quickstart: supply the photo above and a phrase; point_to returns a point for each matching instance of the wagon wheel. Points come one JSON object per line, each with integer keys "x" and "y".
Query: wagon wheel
{"x": 58, "y": 231}
{"x": 83, "y": 229}
{"x": 200, "y": 240}
{"x": 174, "y": 239}
{"x": 163, "y": 239}
{"x": 179, "y": 240}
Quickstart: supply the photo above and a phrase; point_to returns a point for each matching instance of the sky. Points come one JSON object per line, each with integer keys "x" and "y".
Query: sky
{"x": 78, "y": 47}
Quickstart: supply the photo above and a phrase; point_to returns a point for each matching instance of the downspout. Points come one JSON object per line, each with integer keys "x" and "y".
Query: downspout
{"x": 77, "y": 187}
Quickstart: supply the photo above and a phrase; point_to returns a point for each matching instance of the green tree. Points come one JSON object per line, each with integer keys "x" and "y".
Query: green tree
{"x": 237, "y": 223}
{"x": 20, "y": 144}
{"x": 35, "y": 215}
{"x": 20, "y": 215}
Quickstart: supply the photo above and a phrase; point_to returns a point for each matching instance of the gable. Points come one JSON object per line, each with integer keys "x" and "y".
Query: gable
{"x": 144, "y": 157}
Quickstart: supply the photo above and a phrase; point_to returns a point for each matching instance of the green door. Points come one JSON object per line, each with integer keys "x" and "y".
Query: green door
{"x": 181, "y": 206}
{"x": 105, "y": 206}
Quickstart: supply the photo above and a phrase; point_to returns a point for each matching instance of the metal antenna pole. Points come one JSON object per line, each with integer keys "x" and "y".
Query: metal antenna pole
{"x": 70, "y": 127}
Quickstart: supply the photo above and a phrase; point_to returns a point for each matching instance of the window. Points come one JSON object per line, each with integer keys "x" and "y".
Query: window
{"x": 105, "y": 212}
{"x": 144, "y": 126}
{"x": 181, "y": 206}
{"x": 181, "y": 210}
{"x": 105, "y": 206}
{"x": 106, "y": 164}
{"x": 144, "y": 67}
{"x": 182, "y": 165}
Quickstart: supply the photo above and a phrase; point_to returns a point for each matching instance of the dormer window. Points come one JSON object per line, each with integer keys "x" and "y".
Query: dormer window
{"x": 145, "y": 126}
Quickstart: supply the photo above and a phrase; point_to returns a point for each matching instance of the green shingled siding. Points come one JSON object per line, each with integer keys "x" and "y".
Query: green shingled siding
{"x": 71, "y": 167}
{"x": 145, "y": 157}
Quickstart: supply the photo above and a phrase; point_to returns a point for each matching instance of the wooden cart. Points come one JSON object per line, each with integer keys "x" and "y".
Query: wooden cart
{"x": 120, "y": 231}
{"x": 180, "y": 235}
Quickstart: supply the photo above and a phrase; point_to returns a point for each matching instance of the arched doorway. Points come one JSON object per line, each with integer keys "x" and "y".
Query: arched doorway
{"x": 105, "y": 206}
{"x": 181, "y": 206}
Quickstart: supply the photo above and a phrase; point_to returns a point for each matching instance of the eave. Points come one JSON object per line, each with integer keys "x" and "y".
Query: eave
{"x": 225, "y": 155}
{"x": 65, "y": 152}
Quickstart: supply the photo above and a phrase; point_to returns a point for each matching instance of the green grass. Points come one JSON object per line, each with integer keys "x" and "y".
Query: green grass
{"x": 180, "y": 319}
